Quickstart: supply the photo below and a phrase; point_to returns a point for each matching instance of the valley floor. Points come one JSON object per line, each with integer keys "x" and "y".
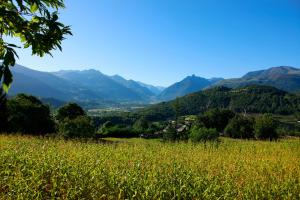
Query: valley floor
{"x": 40, "y": 168}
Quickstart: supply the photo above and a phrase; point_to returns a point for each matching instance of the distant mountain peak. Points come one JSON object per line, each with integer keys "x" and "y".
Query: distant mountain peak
{"x": 188, "y": 85}
{"x": 283, "y": 77}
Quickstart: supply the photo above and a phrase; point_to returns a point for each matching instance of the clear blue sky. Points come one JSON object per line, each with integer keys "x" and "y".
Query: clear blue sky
{"x": 162, "y": 41}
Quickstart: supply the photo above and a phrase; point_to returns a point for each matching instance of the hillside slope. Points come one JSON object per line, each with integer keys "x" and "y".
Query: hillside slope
{"x": 43, "y": 84}
{"x": 135, "y": 86}
{"x": 250, "y": 99}
{"x": 283, "y": 77}
{"x": 100, "y": 84}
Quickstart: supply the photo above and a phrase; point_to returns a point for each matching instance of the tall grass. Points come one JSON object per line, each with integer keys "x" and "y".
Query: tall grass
{"x": 37, "y": 168}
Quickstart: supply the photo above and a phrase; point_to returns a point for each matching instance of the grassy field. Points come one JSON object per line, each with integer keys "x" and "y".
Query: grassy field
{"x": 37, "y": 168}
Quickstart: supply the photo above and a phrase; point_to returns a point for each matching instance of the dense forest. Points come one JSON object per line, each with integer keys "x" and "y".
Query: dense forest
{"x": 249, "y": 99}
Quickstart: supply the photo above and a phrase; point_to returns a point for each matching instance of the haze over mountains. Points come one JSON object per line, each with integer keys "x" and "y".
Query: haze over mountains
{"x": 94, "y": 86}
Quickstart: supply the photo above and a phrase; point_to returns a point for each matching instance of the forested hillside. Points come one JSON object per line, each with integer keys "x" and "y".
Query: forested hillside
{"x": 250, "y": 99}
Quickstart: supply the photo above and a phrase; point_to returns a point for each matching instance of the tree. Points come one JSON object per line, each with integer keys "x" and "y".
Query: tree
{"x": 216, "y": 118}
{"x": 29, "y": 115}
{"x": 202, "y": 134}
{"x": 240, "y": 127}
{"x": 265, "y": 127}
{"x": 35, "y": 23}
{"x": 74, "y": 122}
{"x": 80, "y": 127}
{"x": 70, "y": 111}
{"x": 3, "y": 111}
{"x": 141, "y": 125}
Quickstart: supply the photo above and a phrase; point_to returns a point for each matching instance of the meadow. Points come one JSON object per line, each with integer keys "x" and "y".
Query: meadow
{"x": 47, "y": 168}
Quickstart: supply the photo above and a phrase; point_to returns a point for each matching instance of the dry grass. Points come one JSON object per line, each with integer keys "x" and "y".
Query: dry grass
{"x": 37, "y": 168}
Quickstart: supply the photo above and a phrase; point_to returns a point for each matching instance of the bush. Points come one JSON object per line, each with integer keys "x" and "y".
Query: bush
{"x": 80, "y": 127}
{"x": 265, "y": 127}
{"x": 110, "y": 130}
{"x": 29, "y": 115}
{"x": 240, "y": 127}
{"x": 202, "y": 134}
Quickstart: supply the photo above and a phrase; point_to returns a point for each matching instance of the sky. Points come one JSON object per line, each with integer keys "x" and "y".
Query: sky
{"x": 162, "y": 41}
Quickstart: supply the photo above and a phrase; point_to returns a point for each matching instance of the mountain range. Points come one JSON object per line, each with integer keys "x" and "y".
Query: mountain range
{"x": 283, "y": 77}
{"x": 94, "y": 86}
{"x": 81, "y": 86}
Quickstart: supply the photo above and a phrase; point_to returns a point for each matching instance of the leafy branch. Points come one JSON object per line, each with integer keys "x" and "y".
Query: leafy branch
{"x": 35, "y": 26}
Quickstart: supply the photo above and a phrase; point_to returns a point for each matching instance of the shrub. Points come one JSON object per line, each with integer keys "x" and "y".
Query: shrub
{"x": 265, "y": 127}
{"x": 202, "y": 134}
{"x": 240, "y": 127}
{"x": 110, "y": 130}
{"x": 80, "y": 127}
{"x": 29, "y": 115}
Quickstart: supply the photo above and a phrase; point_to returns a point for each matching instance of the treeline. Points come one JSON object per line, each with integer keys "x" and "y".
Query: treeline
{"x": 249, "y": 99}
{"x": 213, "y": 123}
{"x": 206, "y": 126}
{"x": 26, "y": 114}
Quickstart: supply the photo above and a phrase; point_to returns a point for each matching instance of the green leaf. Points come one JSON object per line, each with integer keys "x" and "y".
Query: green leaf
{"x": 9, "y": 58}
{"x": 34, "y": 7}
{"x": 13, "y": 45}
{"x": 7, "y": 79}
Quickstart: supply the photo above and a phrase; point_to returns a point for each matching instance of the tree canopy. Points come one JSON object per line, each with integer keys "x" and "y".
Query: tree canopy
{"x": 70, "y": 111}
{"x": 29, "y": 115}
{"x": 265, "y": 127}
{"x": 240, "y": 127}
{"x": 35, "y": 23}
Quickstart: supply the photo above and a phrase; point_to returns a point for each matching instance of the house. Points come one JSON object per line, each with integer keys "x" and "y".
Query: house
{"x": 182, "y": 128}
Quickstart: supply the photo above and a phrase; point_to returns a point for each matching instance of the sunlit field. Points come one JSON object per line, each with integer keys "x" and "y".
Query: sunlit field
{"x": 39, "y": 168}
